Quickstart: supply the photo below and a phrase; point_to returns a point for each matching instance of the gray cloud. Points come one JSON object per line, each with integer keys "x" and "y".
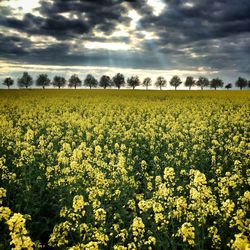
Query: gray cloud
{"x": 197, "y": 33}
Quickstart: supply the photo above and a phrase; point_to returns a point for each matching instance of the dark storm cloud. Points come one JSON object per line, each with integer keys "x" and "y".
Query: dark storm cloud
{"x": 193, "y": 33}
{"x": 102, "y": 15}
{"x": 196, "y": 25}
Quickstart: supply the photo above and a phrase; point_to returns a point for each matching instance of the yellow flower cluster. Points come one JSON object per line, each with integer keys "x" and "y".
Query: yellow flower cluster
{"x": 16, "y": 226}
{"x": 124, "y": 170}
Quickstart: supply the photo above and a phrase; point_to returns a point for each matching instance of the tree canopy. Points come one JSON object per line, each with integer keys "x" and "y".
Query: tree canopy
{"x": 175, "y": 81}
{"x": 241, "y": 83}
{"x": 105, "y": 81}
{"x": 229, "y": 86}
{"x": 59, "y": 81}
{"x": 216, "y": 83}
{"x": 189, "y": 82}
{"x": 133, "y": 81}
{"x": 119, "y": 80}
{"x": 8, "y": 82}
{"x": 74, "y": 81}
{"x": 25, "y": 81}
{"x": 43, "y": 80}
{"x": 202, "y": 82}
{"x": 90, "y": 81}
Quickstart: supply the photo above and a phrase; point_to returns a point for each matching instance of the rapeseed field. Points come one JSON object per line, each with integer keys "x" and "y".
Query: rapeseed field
{"x": 109, "y": 169}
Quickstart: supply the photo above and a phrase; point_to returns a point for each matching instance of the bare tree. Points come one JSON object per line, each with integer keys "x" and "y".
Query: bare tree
{"x": 147, "y": 82}
{"x": 160, "y": 82}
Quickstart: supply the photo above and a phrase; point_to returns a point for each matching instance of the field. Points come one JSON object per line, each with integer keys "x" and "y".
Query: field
{"x": 109, "y": 169}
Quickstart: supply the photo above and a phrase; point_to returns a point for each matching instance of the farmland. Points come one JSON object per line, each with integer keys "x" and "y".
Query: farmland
{"x": 124, "y": 169}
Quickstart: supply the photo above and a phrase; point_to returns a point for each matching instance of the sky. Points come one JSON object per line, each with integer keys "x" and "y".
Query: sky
{"x": 134, "y": 37}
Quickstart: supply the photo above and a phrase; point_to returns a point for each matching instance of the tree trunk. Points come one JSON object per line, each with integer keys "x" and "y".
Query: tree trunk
{"x": 201, "y": 88}
{"x": 175, "y": 87}
{"x": 8, "y": 86}
{"x": 133, "y": 87}
{"x": 189, "y": 87}
{"x": 75, "y": 86}
{"x": 43, "y": 87}
{"x": 160, "y": 87}
{"x": 147, "y": 87}
{"x": 26, "y": 86}
{"x": 240, "y": 88}
{"x": 90, "y": 87}
{"x": 214, "y": 88}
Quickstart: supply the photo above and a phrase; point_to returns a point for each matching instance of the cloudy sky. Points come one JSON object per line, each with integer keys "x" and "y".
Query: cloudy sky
{"x": 144, "y": 37}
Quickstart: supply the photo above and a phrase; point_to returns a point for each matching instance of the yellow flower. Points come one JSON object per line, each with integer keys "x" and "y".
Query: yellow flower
{"x": 187, "y": 232}
{"x": 241, "y": 242}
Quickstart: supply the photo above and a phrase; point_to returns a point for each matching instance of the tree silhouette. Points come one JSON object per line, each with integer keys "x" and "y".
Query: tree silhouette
{"x": 133, "y": 81}
{"x": 90, "y": 81}
{"x": 229, "y": 86}
{"x": 105, "y": 81}
{"x": 147, "y": 82}
{"x": 74, "y": 81}
{"x": 118, "y": 80}
{"x": 189, "y": 82}
{"x": 202, "y": 82}
{"x": 25, "y": 81}
{"x": 8, "y": 82}
{"x": 43, "y": 80}
{"x": 241, "y": 83}
{"x": 160, "y": 82}
{"x": 175, "y": 81}
{"x": 59, "y": 81}
{"x": 216, "y": 83}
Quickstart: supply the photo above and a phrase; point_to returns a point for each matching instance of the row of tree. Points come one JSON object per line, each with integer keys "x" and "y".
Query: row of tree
{"x": 119, "y": 80}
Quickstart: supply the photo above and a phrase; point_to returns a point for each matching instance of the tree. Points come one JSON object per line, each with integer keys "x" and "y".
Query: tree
{"x": 241, "y": 83}
{"x": 216, "y": 83}
{"x": 189, "y": 82}
{"x": 119, "y": 80}
{"x": 229, "y": 86}
{"x": 25, "y": 81}
{"x": 160, "y": 82}
{"x": 105, "y": 81}
{"x": 202, "y": 82}
{"x": 147, "y": 82}
{"x": 175, "y": 81}
{"x": 133, "y": 81}
{"x": 43, "y": 80}
{"x": 74, "y": 81}
{"x": 90, "y": 81}
{"x": 59, "y": 81}
{"x": 249, "y": 84}
{"x": 8, "y": 82}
